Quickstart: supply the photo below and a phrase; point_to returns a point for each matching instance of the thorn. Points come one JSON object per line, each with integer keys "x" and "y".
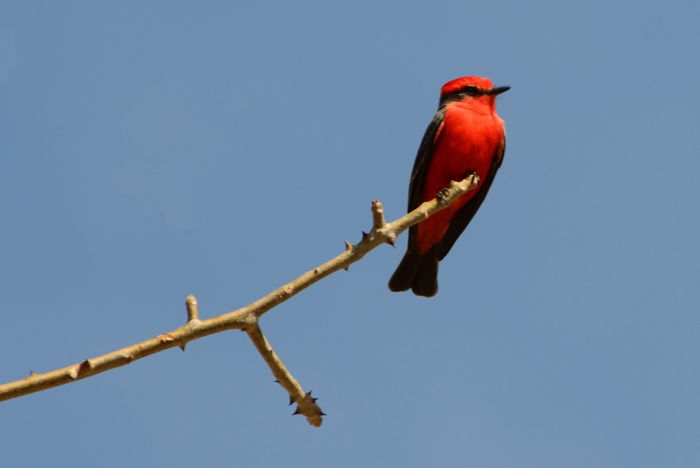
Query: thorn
{"x": 322, "y": 413}
{"x": 291, "y": 400}
{"x": 391, "y": 242}
{"x": 348, "y": 245}
{"x": 183, "y": 346}
{"x": 32, "y": 373}
{"x": 314, "y": 399}
{"x": 296, "y": 411}
{"x": 365, "y": 235}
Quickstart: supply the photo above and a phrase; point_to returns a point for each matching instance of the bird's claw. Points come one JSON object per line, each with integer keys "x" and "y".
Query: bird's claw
{"x": 442, "y": 194}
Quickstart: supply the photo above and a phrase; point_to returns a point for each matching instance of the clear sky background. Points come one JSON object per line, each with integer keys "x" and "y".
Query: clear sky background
{"x": 149, "y": 150}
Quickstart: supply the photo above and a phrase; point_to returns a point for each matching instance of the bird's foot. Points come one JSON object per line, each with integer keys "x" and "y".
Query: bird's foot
{"x": 442, "y": 195}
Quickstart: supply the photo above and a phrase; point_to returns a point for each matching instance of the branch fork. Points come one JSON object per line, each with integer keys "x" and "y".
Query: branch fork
{"x": 246, "y": 318}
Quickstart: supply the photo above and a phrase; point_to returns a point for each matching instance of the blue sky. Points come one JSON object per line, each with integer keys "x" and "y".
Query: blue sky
{"x": 152, "y": 150}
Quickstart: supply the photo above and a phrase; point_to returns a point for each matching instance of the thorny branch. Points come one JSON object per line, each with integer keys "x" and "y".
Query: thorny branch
{"x": 247, "y": 318}
{"x": 306, "y": 404}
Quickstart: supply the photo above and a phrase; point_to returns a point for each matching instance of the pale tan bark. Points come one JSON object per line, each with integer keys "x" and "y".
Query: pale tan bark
{"x": 246, "y": 318}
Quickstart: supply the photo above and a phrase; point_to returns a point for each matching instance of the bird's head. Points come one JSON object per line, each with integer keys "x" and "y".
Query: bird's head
{"x": 471, "y": 88}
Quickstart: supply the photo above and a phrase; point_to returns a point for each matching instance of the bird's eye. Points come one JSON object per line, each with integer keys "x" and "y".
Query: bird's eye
{"x": 470, "y": 90}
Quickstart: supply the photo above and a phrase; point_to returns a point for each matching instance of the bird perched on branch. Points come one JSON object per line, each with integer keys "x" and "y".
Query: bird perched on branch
{"x": 466, "y": 136}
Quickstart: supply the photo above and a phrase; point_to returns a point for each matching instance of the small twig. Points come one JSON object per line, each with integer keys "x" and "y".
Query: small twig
{"x": 192, "y": 309}
{"x": 244, "y": 317}
{"x": 306, "y": 404}
{"x": 377, "y": 215}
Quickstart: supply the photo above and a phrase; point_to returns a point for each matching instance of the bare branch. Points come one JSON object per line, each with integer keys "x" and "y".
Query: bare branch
{"x": 306, "y": 405}
{"x": 245, "y": 318}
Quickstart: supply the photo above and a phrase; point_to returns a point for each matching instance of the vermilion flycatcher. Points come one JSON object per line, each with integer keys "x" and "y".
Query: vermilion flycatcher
{"x": 465, "y": 136}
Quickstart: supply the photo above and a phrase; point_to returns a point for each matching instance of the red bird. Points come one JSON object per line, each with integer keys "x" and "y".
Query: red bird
{"x": 465, "y": 136}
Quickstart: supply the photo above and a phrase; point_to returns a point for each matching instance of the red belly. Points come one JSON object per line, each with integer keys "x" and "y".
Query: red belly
{"x": 468, "y": 142}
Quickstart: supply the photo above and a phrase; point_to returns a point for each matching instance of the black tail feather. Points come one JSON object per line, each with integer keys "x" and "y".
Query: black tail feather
{"x": 417, "y": 272}
{"x": 402, "y": 278}
{"x": 425, "y": 280}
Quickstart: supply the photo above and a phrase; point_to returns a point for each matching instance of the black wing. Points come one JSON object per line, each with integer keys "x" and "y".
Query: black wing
{"x": 420, "y": 169}
{"x": 466, "y": 213}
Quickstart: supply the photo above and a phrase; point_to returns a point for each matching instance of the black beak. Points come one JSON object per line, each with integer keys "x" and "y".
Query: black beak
{"x": 497, "y": 91}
